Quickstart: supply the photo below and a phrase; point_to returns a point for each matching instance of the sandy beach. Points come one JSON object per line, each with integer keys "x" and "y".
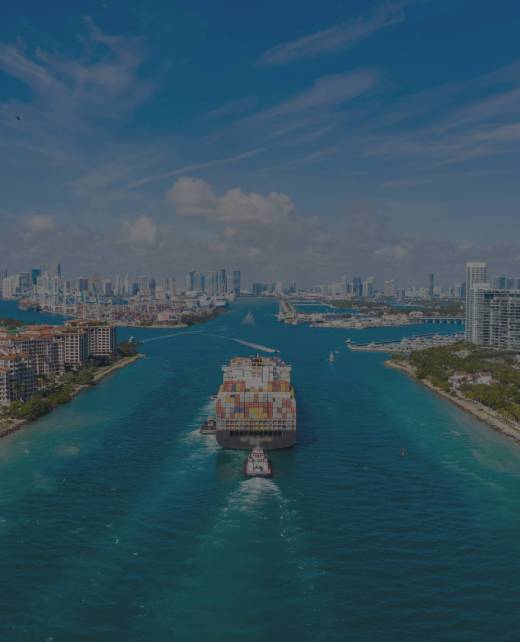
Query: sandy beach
{"x": 8, "y": 425}
{"x": 478, "y": 410}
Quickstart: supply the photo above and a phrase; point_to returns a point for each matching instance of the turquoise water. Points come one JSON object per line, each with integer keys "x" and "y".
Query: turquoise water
{"x": 119, "y": 522}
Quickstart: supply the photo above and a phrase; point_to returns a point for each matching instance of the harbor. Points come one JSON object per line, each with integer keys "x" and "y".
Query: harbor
{"x": 135, "y": 522}
{"x": 406, "y": 345}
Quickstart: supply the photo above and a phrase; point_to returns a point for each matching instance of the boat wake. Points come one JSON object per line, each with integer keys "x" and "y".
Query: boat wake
{"x": 250, "y": 495}
{"x": 208, "y": 442}
{"x": 168, "y": 336}
{"x": 256, "y": 346}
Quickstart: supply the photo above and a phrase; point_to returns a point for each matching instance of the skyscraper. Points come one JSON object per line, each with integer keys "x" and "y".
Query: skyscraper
{"x": 368, "y": 287}
{"x": 495, "y": 317}
{"x": 236, "y": 281}
{"x": 431, "y": 285}
{"x": 35, "y": 273}
{"x": 55, "y": 269}
{"x": 390, "y": 288}
{"x": 222, "y": 285}
{"x": 476, "y": 275}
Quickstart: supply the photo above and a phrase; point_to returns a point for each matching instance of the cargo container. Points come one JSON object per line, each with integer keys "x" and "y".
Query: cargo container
{"x": 255, "y": 404}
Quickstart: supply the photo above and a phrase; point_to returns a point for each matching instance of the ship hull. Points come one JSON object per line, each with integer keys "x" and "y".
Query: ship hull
{"x": 242, "y": 440}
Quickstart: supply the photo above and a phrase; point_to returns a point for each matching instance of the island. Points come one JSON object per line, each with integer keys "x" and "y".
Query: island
{"x": 483, "y": 381}
{"x": 44, "y": 366}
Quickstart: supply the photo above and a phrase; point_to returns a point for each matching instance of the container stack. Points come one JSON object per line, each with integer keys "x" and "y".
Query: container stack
{"x": 256, "y": 400}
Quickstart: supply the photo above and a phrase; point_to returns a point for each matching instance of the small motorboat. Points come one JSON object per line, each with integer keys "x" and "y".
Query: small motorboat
{"x": 257, "y": 464}
{"x": 332, "y": 358}
{"x": 209, "y": 427}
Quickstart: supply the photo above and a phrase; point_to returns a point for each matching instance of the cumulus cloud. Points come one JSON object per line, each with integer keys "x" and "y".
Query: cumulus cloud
{"x": 397, "y": 252}
{"x": 40, "y": 223}
{"x": 195, "y": 197}
{"x": 141, "y": 231}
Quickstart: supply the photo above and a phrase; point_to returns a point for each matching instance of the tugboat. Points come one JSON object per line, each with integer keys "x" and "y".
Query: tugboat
{"x": 257, "y": 464}
{"x": 209, "y": 427}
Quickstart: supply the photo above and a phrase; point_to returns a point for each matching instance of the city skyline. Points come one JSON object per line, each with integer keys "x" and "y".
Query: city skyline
{"x": 338, "y": 143}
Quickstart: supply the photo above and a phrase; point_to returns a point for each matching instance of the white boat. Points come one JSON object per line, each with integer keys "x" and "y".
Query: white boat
{"x": 332, "y": 358}
{"x": 257, "y": 464}
{"x": 249, "y": 319}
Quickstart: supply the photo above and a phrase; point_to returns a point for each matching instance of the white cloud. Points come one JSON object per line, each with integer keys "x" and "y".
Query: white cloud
{"x": 217, "y": 162}
{"x": 195, "y": 197}
{"x": 327, "y": 91}
{"x": 38, "y": 223}
{"x": 141, "y": 231}
{"x": 336, "y": 38}
{"x": 392, "y": 252}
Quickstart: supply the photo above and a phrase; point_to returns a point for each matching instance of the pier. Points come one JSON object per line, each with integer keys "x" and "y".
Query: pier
{"x": 287, "y": 312}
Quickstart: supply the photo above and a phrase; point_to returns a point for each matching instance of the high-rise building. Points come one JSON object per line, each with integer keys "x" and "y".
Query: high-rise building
{"x": 357, "y": 287}
{"x": 368, "y": 287}
{"x": 258, "y": 288}
{"x": 55, "y": 269}
{"x": 236, "y": 281}
{"x": 390, "y": 288}
{"x": 108, "y": 288}
{"x": 431, "y": 285}
{"x": 222, "y": 284}
{"x": 476, "y": 275}
{"x": 210, "y": 283}
{"x": 35, "y": 273}
{"x": 495, "y": 317}
{"x": 144, "y": 285}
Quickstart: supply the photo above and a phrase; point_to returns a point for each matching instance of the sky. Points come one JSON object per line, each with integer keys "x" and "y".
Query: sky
{"x": 292, "y": 141}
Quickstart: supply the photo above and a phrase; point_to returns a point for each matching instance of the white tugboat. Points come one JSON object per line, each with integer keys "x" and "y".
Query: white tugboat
{"x": 257, "y": 464}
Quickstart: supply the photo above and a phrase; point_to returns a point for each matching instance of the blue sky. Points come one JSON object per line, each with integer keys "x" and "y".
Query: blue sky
{"x": 336, "y": 138}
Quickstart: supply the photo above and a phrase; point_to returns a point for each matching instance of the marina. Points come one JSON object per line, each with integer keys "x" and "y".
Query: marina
{"x": 407, "y": 344}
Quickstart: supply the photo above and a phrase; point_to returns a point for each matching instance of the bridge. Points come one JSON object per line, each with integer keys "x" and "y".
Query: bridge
{"x": 444, "y": 320}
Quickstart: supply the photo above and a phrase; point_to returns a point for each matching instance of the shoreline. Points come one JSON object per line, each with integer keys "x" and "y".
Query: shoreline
{"x": 13, "y": 425}
{"x": 486, "y": 415}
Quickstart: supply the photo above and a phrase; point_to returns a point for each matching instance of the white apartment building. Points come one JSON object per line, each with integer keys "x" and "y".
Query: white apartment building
{"x": 101, "y": 340}
{"x": 42, "y": 349}
{"x": 17, "y": 378}
{"x": 476, "y": 275}
{"x": 492, "y": 315}
{"x": 73, "y": 346}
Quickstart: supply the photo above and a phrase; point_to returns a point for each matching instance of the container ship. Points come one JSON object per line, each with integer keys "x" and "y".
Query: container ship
{"x": 255, "y": 404}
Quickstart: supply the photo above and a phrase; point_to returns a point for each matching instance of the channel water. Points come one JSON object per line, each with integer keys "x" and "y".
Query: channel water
{"x": 396, "y": 516}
